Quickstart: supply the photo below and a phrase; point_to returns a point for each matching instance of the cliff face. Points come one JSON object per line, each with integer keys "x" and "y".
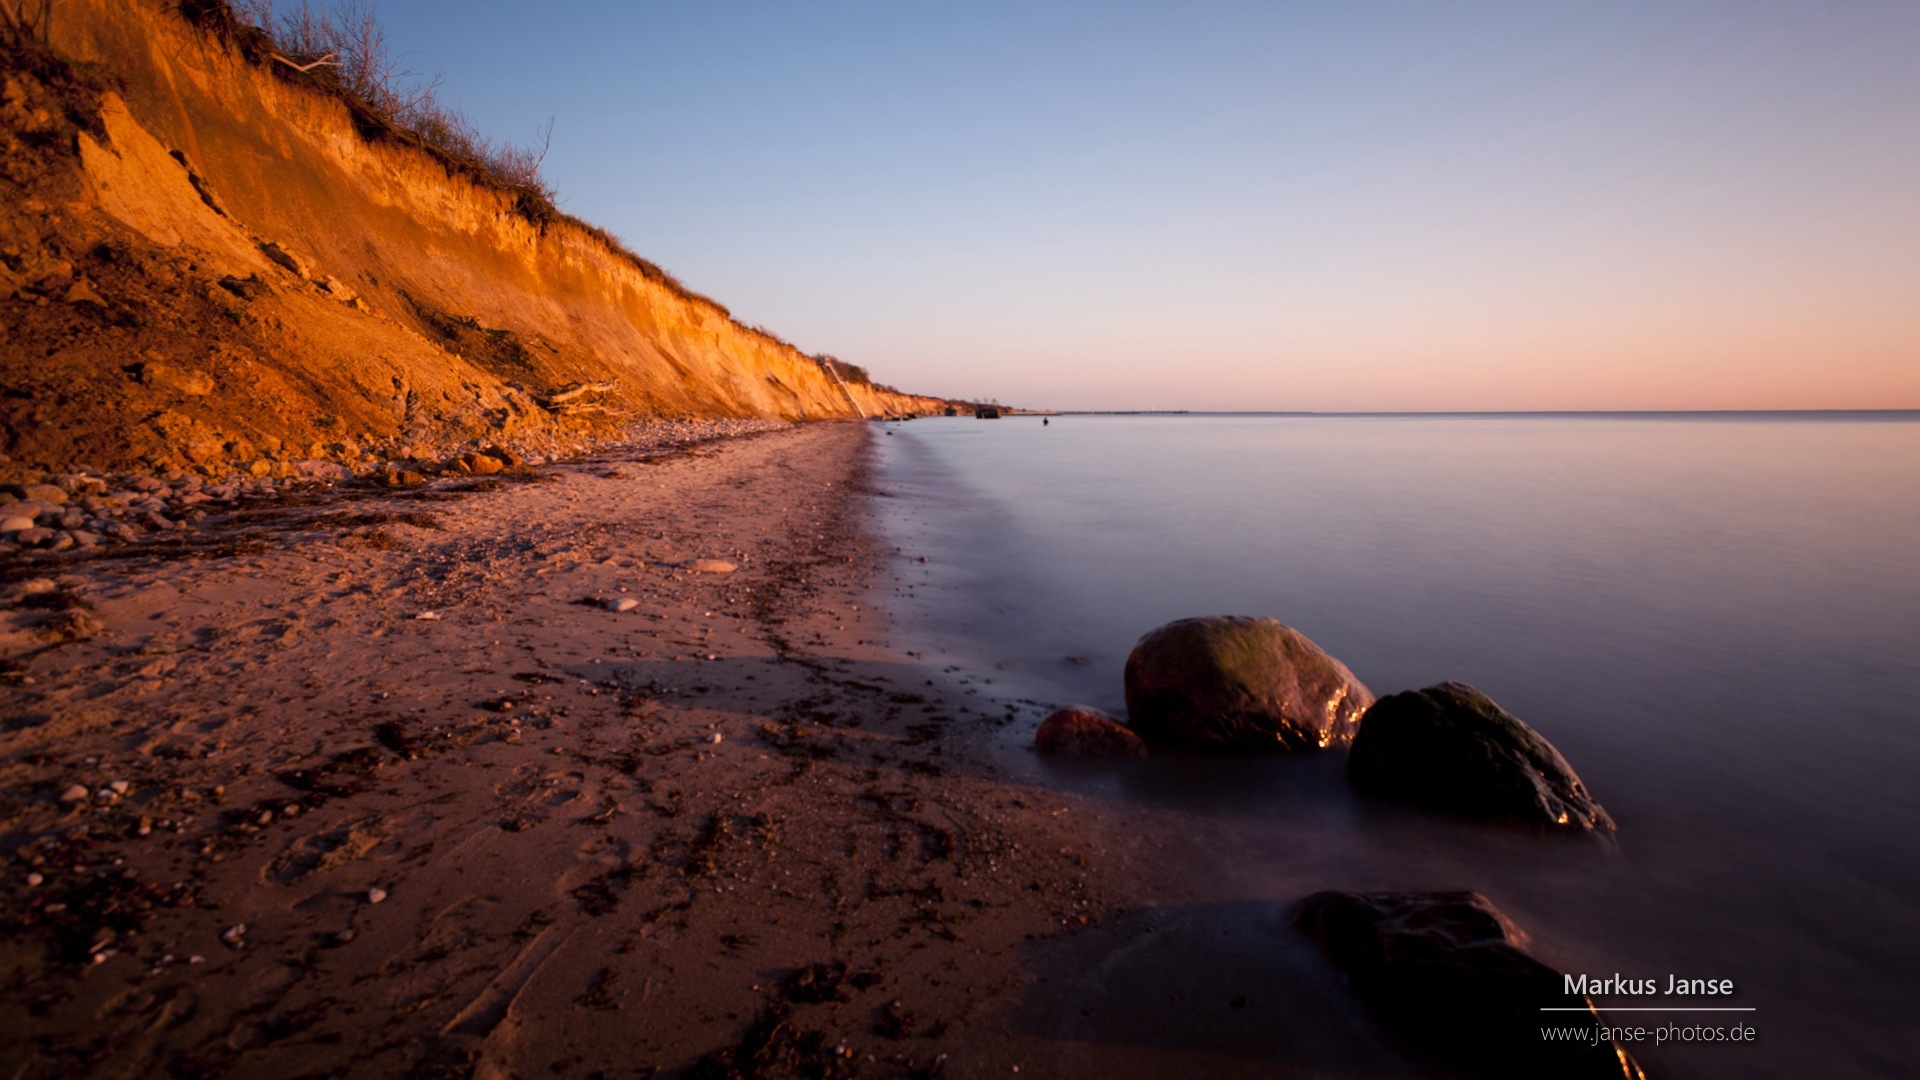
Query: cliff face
{"x": 202, "y": 263}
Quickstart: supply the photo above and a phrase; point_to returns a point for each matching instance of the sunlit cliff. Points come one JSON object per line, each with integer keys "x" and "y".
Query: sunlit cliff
{"x": 205, "y": 262}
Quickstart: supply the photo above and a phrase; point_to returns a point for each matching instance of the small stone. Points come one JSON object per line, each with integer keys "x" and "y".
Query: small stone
{"x": 343, "y": 937}
{"x": 623, "y": 604}
{"x": 233, "y": 935}
{"x": 376, "y": 894}
{"x": 35, "y": 880}
{"x": 51, "y": 494}
{"x": 196, "y": 959}
{"x": 482, "y": 464}
{"x": 505, "y": 456}
{"x": 282, "y": 257}
{"x": 75, "y": 793}
{"x": 119, "y": 787}
{"x": 15, "y": 524}
{"x": 335, "y": 287}
{"x": 82, "y": 292}
{"x": 712, "y": 566}
{"x": 1082, "y": 731}
{"x": 427, "y": 616}
{"x": 715, "y": 738}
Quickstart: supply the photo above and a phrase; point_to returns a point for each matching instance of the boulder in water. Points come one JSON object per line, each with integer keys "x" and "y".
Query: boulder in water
{"x": 1082, "y": 731}
{"x": 1234, "y": 683}
{"x": 1452, "y": 748}
{"x": 1447, "y": 969}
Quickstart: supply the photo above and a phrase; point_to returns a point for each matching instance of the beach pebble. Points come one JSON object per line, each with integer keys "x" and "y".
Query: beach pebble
{"x": 119, "y": 787}
{"x": 428, "y": 616}
{"x": 376, "y": 895}
{"x": 1083, "y": 731}
{"x": 35, "y": 880}
{"x": 15, "y": 524}
{"x": 74, "y": 793}
{"x": 625, "y": 603}
{"x": 716, "y": 737}
{"x": 234, "y": 935}
{"x": 711, "y": 566}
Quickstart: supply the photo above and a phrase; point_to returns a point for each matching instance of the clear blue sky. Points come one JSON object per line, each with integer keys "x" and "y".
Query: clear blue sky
{"x": 1252, "y": 205}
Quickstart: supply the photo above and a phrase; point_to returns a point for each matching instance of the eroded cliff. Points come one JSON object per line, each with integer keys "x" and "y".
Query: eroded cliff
{"x": 204, "y": 263}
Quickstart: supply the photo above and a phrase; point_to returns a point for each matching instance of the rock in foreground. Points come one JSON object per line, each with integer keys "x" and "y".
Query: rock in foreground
{"x": 1233, "y": 683}
{"x": 1081, "y": 731}
{"x": 1446, "y": 969}
{"x": 1450, "y": 747}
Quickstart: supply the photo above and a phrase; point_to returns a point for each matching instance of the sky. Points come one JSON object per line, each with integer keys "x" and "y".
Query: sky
{"x": 1281, "y": 206}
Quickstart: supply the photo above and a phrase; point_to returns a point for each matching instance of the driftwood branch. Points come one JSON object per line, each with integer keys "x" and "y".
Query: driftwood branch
{"x": 22, "y": 27}
{"x": 329, "y": 60}
{"x": 570, "y": 399}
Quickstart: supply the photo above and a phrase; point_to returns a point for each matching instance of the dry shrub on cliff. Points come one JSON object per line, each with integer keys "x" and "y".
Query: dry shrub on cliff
{"x": 24, "y": 22}
{"x": 343, "y": 51}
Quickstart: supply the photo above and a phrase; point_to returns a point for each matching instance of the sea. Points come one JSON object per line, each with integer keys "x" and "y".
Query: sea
{"x": 1714, "y": 616}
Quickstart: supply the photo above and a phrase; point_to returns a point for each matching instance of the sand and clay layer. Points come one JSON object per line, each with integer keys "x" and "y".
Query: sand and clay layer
{"x": 384, "y": 783}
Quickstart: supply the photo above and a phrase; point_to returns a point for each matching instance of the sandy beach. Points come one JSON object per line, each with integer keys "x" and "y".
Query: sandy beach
{"x": 364, "y": 782}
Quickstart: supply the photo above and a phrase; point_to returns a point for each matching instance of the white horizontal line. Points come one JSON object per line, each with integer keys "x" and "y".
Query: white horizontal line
{"x": 1652, "y": 1009}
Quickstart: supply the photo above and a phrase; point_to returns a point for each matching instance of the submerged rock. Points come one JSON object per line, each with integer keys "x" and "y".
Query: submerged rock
{"x": 1082, "y": 731}
{"x": 1234, "y": 683}
{"x": 1450, "y": 747}
{"x": 1446, "y": 968}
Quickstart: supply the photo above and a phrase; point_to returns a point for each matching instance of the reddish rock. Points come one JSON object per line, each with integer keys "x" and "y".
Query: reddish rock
{"x": 505, "y": 456}
{"x": 482, "y": 464}
{"x": 1087, "y": 732}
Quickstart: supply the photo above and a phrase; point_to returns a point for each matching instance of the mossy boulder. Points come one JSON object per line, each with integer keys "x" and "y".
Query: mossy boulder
{"x": 1238, "y": 684}
{"x": 1452, "y": 748}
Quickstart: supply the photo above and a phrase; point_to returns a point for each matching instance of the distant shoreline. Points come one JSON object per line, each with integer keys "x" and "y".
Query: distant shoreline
{"x": 1524, "y": 414}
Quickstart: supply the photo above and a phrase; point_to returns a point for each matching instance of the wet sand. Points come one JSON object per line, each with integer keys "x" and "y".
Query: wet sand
{"x": 403, "y": 795}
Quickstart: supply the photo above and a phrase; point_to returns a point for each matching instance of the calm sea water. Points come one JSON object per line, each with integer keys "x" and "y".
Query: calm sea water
{"x": 1716, "y": 618}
